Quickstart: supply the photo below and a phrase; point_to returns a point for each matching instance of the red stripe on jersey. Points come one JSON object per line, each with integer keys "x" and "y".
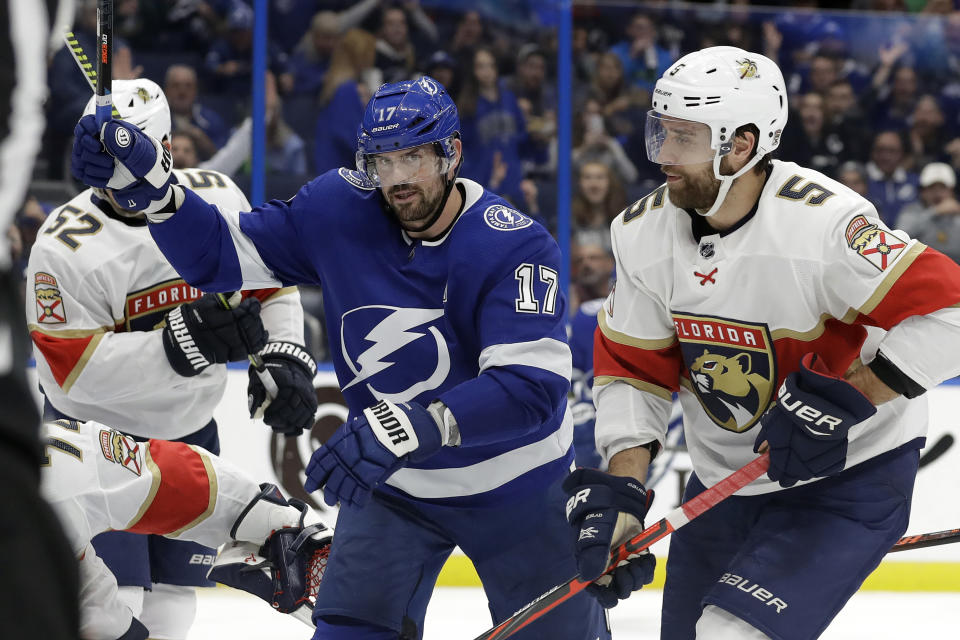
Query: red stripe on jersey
{"x": 259, "y": 294}
{"x": 660, "y": 367}
{"x": 184, "y": 491}
{"x": 838, "y": 346}
{"x": 930, "y": 283}
{"x": 61, "y": 354}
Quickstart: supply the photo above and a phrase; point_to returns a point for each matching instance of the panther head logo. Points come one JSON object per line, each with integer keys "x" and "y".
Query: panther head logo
{"x": 729, "y": 388}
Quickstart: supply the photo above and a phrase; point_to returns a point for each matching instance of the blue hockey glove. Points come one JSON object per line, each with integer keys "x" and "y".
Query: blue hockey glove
{"x": 135, "y": 165}
{"x": 293, "y": 369}
{"x": 605, "y": 511}
{"x": 202, "y": 332}
{"x": 368, "y": 449}
{"x": 806, "y": 429}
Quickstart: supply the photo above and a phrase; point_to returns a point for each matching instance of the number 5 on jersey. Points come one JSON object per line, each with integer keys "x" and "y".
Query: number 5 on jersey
{"x": 527, "y": 302}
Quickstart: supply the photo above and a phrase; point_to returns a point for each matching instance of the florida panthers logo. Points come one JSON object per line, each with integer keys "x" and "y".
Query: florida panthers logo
{"x": 49, "y": 301}
{"x": 731, "y": 368}
{"x": 405, "y": 345}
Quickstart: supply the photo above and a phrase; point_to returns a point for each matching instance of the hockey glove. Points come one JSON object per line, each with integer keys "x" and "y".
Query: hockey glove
{"x": 605, "y": 511}
{"x": 279, "y": 555}
{"x": 202, "y": 332}
{"x": 135, "y": 165}
{"x": 368, "y": 449}
{"x": 293, "y": 369}
{"x": 806, "y": 429}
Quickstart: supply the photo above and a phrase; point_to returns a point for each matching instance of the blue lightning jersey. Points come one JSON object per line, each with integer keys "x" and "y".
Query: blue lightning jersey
{"x": 474, "y": 318}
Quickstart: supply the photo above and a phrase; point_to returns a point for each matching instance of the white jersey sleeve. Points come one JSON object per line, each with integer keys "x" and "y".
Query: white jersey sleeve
{"x": 636, "y": 362}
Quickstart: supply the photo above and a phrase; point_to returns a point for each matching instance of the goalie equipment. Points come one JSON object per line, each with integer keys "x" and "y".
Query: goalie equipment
{"x": 279, "y": 554}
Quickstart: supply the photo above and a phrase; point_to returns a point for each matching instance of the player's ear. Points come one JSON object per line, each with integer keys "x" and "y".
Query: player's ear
{"x": 458, "y": 147}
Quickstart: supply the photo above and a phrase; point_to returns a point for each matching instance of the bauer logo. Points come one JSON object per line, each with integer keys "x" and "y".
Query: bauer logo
{"x": 504, "y": 218}
{"x": 123, "y": 137}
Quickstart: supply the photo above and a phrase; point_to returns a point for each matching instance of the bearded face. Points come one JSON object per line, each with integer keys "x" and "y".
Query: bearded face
{"x": 415, "y": 203}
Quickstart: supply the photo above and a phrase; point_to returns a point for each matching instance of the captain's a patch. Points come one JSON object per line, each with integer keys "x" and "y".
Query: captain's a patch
{"x": 878, "y": 246}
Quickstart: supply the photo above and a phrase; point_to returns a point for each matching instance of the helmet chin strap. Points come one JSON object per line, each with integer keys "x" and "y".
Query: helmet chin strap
{"x": 726, "y": 182}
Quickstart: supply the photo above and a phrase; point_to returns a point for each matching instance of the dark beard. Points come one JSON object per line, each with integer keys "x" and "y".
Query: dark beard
{"x": 414, "y": 216}
{"x": 695, "y": 195}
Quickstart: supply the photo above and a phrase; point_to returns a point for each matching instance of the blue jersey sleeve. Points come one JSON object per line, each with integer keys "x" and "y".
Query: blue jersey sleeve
{"x": 277, "y": 243}
{"x": 518, "y": 324}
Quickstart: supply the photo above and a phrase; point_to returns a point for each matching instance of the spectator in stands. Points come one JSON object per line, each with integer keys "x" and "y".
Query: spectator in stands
{"x": 290, "y": 20}
{"x": 824, "y": 71}
{"x": 311, "y": 57}
{"x": 927, "y": 131}
{"x": 592, "y": 143}
{"x": 893, "y": 91}
{"x": 204, "y": 125}
{"x": 183, "y": 148}
{"x": 807, "y": 144}
{"x": 935, "y": 219}
{"x": 396, "y": 55}
{"x": 493, "y": 128}
{"x": 889, "y": 185}
{"x": 469, "y": 35}
{"x": 598, "y": 197}
{"x": 643, "y": 60}
{"x": 537, "y": 96}
{"x": 229, "y": 58}
{"x": 443, "y": 68}
{"x": 854, "y": 175}
{"x": 286, "y": 154}
{"x": 847, "y": 133}
{"x": 342, "y": 100}
{"x": 623, "y": 105}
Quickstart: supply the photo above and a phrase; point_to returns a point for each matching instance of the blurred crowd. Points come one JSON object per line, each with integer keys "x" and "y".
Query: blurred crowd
{"x": 874, "y": 86}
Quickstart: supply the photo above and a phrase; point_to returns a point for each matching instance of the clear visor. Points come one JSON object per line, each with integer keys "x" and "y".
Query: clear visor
{"x": 674, "y": 141}
{"x": 407, "y": 166}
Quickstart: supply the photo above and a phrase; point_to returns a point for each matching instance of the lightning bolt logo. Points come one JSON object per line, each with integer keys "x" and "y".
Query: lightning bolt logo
{"x": 388, "y": 336}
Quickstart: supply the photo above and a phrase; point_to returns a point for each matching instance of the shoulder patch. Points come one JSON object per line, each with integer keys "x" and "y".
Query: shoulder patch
{"x": 504, "y": 218}
{"x": 880, "y": 247}
{"x": 122, "y": 450}
{"x": 49, "y": 301}
{"x": 357, "y": 179}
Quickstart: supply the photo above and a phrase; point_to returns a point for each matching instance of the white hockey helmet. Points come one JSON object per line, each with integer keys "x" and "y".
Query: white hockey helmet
{"x": 140, "y": 102}
{"x": 717, "y": 90}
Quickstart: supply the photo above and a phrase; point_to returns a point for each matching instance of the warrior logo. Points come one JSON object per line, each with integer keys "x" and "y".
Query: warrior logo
{"x": 747, "y": 68}
{"x": 732, "y": 368}
{"x": 49, "y": 301}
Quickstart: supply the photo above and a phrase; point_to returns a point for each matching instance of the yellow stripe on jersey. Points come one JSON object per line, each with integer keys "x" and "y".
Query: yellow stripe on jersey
{"x": 630, "y": 341}
{"x": 641, "y": 385}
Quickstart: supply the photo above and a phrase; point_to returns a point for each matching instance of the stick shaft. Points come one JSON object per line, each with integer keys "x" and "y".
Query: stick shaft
{"x": 926, "y": 540}
{"x": 104, "y": 60}
{"x": 86, "y": 67}
{"x": 643, "y": 540}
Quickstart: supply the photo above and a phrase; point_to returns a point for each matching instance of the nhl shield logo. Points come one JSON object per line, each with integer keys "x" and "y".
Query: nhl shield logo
{"x": 732, "y": 368}
{"x": 49, "y": 301}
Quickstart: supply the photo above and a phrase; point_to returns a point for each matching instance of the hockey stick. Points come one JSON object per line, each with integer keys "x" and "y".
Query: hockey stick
{"x": 86, "y": 67}
{"x": 255, "y": 359}
{"x": 104, "y": 60}
{"x": 926, "y": 540}
{"x": 670, "y": 523}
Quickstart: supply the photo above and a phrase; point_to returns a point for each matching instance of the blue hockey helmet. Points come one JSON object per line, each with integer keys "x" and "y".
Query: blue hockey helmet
{"x": 407, "y": 114}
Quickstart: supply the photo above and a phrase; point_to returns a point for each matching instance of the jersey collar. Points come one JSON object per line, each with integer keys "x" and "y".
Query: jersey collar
{"x": 701, "y": 228}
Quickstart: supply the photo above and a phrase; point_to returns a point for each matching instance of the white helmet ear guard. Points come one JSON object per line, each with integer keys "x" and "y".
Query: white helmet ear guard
{"x": 723, "y": 88}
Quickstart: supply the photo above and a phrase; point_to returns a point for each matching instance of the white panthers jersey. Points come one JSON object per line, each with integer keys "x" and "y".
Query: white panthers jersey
{"x": 98, "y": 479}
{"x": 723, "y": 318}
{"x": 98, "y": 291}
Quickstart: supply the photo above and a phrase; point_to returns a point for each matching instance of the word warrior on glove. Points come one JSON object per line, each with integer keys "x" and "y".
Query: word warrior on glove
{"x": 121, "y": 157}
{"x": 293, "y": 369}
{"x": 606, "y": 511}
{"x": 202, "y": 332}
{"x": 807, "y": 428}
{"x": 368, "y": 449}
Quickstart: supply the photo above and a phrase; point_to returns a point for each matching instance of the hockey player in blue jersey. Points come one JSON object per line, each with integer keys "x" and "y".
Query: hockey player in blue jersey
{"x": 447, "y": 332}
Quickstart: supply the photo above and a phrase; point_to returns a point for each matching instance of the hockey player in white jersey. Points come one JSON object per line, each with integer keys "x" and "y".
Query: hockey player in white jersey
{"x": 747, "y": 285}
{"x": 99, "y": 479}
{"x": 120, "y": 338}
